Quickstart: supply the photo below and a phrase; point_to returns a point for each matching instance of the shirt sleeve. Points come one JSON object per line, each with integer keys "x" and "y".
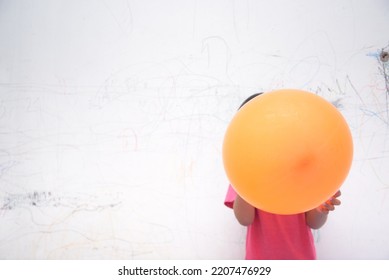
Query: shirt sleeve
{"x": 230, "y": 197}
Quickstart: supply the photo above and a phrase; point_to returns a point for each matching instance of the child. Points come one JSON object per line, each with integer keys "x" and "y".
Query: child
{"x": 272, "y": 236}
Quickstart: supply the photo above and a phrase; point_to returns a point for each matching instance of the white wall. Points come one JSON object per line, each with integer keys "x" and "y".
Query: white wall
{"x": 112, "y": 115}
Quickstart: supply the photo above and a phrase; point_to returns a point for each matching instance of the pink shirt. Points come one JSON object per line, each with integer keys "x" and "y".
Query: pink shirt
{"x": 276, "y": 237}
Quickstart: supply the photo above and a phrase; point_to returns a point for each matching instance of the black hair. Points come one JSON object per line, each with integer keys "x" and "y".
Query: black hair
{"x": 249, "y": 98}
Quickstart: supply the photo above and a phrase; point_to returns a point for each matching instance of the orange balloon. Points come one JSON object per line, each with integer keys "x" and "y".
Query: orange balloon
{"x": 287, "y": 151}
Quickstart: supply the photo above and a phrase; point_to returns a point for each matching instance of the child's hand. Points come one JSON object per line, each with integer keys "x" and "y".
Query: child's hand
{"x": 330, "y": 204}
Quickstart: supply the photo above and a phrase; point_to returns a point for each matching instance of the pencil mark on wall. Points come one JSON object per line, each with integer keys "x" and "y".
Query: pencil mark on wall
{"x": 6, "y": 162}
{"x": 384, "y": 70}
{"x": 218, "y": 54}
{"x": 121, "y": 15}
{"x": 383, "y": 58}
{"x": 41, "y": 199}
{"x": 337, "y": 103}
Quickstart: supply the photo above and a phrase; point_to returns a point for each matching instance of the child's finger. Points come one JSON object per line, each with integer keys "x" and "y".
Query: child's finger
{"x": 323, "y": 208}
{"x": 329, "y": 206}
{"x": 337, "y": 194}
{"x": 335, "y": 201}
